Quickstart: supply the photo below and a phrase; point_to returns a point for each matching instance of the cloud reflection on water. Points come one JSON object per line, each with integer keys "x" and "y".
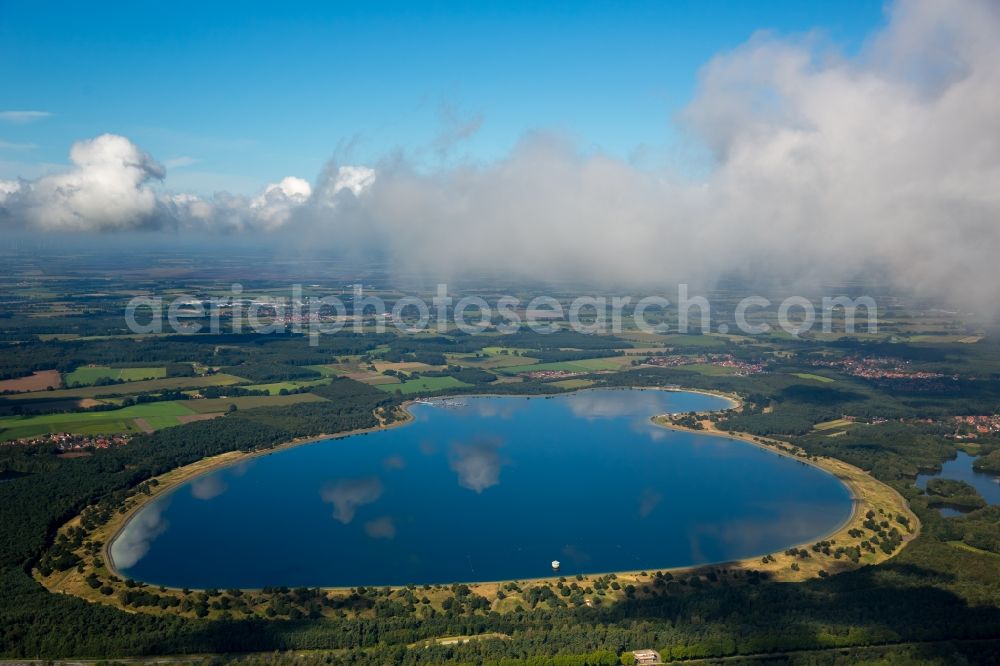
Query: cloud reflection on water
{"x": 648, "y": 501}
{"x": 134, "y": 542}
{"x": 394, "y": 462}
{"x": 488, "y": 408}
{"x": 592, "y": 405}
{"x": 208, "y": 487}
{"x": 636, "y": 406}
{"x": 758, "y": 534}
{"x": 381, "y": 528}
{"x": 478, "y": 463}
{"x": 574, "y": 554}
{"x": 347, "y": 495}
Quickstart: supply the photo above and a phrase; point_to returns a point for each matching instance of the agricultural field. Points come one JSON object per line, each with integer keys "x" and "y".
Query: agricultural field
{"x": 815, "y": 378}
{"x": 150, "y": 385}
{"x": 511, "y": 351}
{"x": 831, "y": 336}
{"x": 583, "y": 365}
{"x": 275, "y": 388}
{"x": 492, "y": 362}
{"x": 37, "y": 381}
{"x": 157, "y": 414}
{"x": 831, "y": 425}
{"x": 88, "y": 375}
{"x": 214, "y": 405}
{"x": 708, "y": 369}
{"x": 374, "y": 379}
{"x": 573, "y": 384}
{"x": 404, "y": 366}
{"x": 693, "y": 341}
{"x": 963, "y": 339}
{"x": 329, "y": 370}
{"x": 423, "y": 384}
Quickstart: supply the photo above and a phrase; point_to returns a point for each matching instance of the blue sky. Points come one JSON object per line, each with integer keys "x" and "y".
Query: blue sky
{"x": 235, "y": 95}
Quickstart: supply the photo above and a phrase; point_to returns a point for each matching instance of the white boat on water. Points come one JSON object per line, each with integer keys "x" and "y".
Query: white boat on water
{"x": 555, "y": 565}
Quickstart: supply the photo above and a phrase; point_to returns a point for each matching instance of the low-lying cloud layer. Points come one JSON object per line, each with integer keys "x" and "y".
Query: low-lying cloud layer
{"x": 825, "y": 166}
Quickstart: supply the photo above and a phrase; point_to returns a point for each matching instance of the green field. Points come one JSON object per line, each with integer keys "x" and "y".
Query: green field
{"x": 817, "y": 378}
{"x": 512, "y": 351}
{"x": 85, "y": 376}
{"x": 708, "y": 369}
{"x": 328, "y": 370}
{"x": 133, "y": 387}
{"x": 423, "y": 384}
{"x": 488, "y": 362}
{"x": 214, "y": 405}
{"x": 693, "y": 341}
{"x": 830, "y": 425}
{"x": 572, "y": 384}
{"x": 583, "y": 365}
{"x": 274, "y": 388}
{"x": 157, "y": 414}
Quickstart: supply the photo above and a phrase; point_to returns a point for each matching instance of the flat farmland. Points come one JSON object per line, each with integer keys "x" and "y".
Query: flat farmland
{"x": 214, "y": 405}
{"x": 149, "y": 385}
{"x": 583, "y": 365}
{"x": 836, "y": 423}
{"x": 816, "y": 378}
{"x": 573, "y": 384}
{"x": 274, "y": 388}
{"x": 708, "y": 369}
{"x": 329, "y": 370}
{"x": 491, "y": 362}
{"x": 375, "y": 380}
{"x": 85, "y": 376}
{"x": 157, "y": 414}
{"x": 38, "y": 381}
{"x": 8, "y": 407}
{"x": 423, "y": 384}
{"x": 404, "y": 366}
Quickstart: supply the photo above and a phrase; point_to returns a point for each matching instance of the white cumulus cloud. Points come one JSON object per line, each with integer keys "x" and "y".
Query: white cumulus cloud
{"x": 826, "y": 165}
{"x": 107, "y": 188}
{"x": 275, "y": 204}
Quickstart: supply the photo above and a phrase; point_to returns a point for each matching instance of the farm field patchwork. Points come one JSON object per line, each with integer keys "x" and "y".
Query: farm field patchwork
{"x": 836, "y": 423}
{"x": 136, "y": 387}
{"x": 37, "y": 381}
{"x": 816, "y": 378}
{"x": 572, "y": 384}
{"x": 157, "y": 414}
{"x": 583, "y": 365}
{"x": 274, "y": 388}
{"x": 87, "y": 375}
{"x": 213, "y": 405}
{"x": 423, "y": 384}
{"x": 708, "y": 369}
{"x": 328, "y": 370}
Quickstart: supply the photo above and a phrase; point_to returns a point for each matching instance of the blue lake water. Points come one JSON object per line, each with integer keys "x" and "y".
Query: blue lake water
{"x": 960, "y": 469}
{"x": 494, "y": 489}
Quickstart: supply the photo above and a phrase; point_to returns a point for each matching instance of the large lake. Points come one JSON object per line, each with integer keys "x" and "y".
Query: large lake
{"x": 492, "y": 488}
